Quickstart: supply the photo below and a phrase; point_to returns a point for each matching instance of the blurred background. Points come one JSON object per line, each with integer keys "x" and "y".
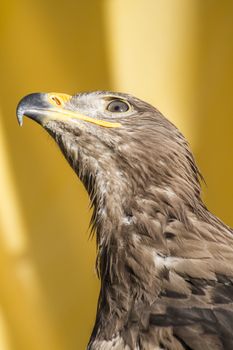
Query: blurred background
{"x": 175, "y": 54}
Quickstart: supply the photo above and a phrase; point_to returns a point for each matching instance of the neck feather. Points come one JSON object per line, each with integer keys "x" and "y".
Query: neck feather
{"x": 132, "y": 228}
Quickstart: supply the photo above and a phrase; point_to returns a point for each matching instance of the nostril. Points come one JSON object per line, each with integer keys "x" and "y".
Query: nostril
{"x": 56, "y": 100}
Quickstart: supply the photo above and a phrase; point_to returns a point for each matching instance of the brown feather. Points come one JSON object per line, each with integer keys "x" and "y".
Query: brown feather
{"x": 165, "y": 262}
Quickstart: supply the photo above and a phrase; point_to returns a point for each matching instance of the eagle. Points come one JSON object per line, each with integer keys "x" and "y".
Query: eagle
{"x": 164, "y": 261}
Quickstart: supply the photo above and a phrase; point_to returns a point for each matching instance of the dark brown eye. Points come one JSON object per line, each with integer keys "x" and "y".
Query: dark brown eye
{"x": 118, "y": 106}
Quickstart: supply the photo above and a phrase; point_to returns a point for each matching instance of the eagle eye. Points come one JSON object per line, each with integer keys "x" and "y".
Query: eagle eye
{"x": 118, "y": 106}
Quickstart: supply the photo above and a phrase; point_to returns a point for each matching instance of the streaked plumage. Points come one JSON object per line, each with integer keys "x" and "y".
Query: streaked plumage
{"x": 165, "y": 262}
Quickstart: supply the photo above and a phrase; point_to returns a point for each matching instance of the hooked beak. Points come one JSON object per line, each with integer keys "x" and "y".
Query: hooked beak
{"x": 43, "y": 107}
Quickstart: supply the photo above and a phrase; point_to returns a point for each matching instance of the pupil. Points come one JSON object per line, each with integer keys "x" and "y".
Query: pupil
{"x": 117, "y": 108}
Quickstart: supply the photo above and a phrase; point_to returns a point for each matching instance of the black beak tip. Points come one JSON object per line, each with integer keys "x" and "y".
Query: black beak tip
{"x": 28, "y": 103}
{"x": 20, "y": 113}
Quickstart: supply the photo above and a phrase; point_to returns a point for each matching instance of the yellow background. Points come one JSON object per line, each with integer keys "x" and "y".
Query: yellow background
{"x": 176, "y": 54}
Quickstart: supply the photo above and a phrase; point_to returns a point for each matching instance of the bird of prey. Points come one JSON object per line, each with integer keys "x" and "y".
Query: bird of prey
{"x": 164, "y": 261}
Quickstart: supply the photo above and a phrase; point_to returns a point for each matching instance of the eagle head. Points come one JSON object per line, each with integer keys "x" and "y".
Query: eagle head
{"x": 115, "y": 142}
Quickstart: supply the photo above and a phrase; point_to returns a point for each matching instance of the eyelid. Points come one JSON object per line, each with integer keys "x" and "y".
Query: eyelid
{"x": 115, "y": 99}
